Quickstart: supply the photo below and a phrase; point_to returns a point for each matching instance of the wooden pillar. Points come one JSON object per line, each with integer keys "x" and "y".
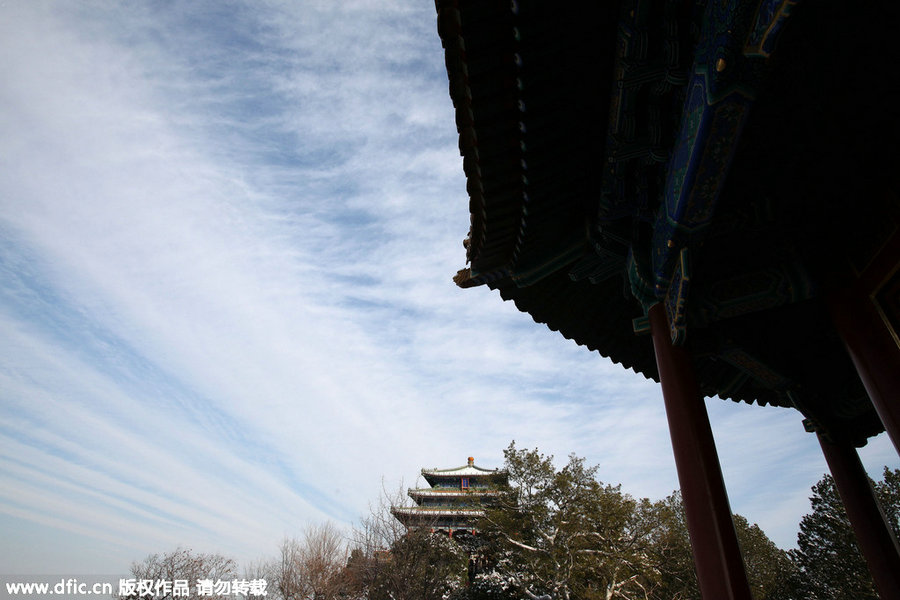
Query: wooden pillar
{"x": 874, "y": 352}
{"x": 873, "y": 533}
{"x": 717, "y": 555}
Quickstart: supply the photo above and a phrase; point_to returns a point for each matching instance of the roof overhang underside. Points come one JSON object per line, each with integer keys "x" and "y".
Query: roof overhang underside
{"x": 734, "y": 160}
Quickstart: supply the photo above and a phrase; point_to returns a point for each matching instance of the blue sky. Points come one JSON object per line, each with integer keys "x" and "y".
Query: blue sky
{"x": 227, "y": 236}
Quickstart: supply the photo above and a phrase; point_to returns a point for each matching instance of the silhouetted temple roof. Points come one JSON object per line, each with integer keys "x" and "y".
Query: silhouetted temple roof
{"x": 732, "y": 160}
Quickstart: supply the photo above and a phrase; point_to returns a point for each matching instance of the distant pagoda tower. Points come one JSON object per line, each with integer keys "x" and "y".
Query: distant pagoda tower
{"x": 455, "y": 500}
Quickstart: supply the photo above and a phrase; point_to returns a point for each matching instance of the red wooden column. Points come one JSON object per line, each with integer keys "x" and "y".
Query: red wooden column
{"x": 717, "y": 556}
{"x": 876, "y": 540}
{"x": 874, "y": 352}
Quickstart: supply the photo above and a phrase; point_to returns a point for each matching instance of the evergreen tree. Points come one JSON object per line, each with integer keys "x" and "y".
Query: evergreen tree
{"x": 421, "y": 566}
{"x": 562, "y": 534}
{"x": 671, "y": 546}
{"x": 830, "y": 565}
{"x": 769, "y": 568}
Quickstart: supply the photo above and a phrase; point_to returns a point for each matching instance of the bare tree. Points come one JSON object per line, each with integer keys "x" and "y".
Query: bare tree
{"x": 380, "y": 529}
{"x": 323, "y": 558}
{"x": 372, "y": 540}
{"x": 259, "y": 570}
{"x": 390, "y": 563}
{"x": 310, "y": 568}
{"x": 284, "y": 572}
{"x": 162, "y": 571}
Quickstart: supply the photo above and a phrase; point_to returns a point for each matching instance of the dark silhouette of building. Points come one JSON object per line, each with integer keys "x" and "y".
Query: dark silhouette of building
{"x": 706, "y": 193}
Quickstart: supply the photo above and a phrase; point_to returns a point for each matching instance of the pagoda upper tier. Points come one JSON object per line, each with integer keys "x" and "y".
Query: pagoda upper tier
{"x": 467, "y": 476}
